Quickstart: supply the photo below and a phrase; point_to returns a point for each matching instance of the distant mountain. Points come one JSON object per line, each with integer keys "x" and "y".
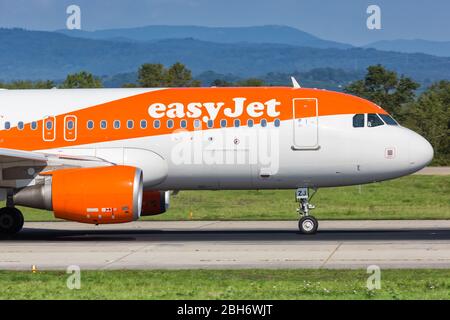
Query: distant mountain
{"x": 259, "y": 34}
{"x": 325, "y": 78}
{"x": 50, "y": 55}
{"x": 436, "y": 48}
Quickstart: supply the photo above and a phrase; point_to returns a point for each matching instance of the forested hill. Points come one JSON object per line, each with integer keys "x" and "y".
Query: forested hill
{"x": 256, "y": 34}
{"x": 52, "y": 55}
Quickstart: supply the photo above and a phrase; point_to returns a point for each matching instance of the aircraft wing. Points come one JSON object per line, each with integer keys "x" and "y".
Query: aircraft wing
{"x": 11, "y": 155}
{"x": 20, "y": 168}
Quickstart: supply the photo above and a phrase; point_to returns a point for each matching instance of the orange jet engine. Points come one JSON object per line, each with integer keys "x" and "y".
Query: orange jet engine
{"x": 102, "y": 195}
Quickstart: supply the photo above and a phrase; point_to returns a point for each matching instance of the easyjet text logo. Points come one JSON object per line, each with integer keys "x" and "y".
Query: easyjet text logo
{"x": 210, "y": 110}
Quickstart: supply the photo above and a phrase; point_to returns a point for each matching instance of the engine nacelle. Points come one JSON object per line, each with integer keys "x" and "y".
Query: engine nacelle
{"x": 155, "y": 202}
{"x": 102, "y": 195}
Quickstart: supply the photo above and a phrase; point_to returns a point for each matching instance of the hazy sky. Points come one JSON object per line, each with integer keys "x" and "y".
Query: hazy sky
{"x": 339, "y": 20}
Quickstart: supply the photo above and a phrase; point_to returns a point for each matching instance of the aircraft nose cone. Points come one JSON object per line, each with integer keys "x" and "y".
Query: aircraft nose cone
{"x": 421, "y": 152}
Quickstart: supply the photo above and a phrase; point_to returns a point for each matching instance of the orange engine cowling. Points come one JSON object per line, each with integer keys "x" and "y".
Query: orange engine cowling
{"x": 155, "y": 202}
{"x": 102, "y": 195}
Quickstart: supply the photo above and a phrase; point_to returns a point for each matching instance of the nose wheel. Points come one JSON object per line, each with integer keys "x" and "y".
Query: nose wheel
{"x": 11, "y": 221}
{"x": 307, "y": 224}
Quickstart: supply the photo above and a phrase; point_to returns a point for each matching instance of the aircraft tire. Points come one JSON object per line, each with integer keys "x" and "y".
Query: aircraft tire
{"x": 308, "y": 225}
{"x": 11, "y": 221}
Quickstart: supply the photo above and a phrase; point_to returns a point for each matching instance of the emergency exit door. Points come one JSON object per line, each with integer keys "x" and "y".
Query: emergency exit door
{"x": 49, "y": 129}
{"x": 70, "y": 128}
{"x": 306, "y": 123}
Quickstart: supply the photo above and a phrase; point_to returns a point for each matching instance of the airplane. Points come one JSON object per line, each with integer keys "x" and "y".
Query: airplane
{"x": 104, "y": 156}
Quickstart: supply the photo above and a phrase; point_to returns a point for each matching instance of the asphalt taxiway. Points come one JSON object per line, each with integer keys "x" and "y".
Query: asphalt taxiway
{"x": 238, "y": 244}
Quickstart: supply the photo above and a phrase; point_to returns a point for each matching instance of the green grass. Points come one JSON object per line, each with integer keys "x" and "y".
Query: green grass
{"x": 227, "y": 284}
{"x": 413, "y": 197}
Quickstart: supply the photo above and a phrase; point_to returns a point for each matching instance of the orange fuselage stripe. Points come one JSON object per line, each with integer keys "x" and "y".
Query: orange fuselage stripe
{"x": 136, "y": 108}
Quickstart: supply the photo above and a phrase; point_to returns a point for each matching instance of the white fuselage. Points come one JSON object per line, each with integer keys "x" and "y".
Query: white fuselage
{"x": 318, "y": 151}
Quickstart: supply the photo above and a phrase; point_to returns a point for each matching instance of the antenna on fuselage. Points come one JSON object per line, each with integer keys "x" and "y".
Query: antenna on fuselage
{"x": 295, "y": 83}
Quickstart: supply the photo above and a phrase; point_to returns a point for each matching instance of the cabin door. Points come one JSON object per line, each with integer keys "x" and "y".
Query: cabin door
{"x": 306, "y": 124}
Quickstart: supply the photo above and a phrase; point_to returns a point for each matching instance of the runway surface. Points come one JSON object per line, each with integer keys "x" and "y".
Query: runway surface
{"x": 274, "y": 244}
{"x": 434, "y": 171}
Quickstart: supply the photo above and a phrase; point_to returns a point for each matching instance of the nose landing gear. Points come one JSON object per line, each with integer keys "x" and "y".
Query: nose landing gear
{"x": 307, "y": 224}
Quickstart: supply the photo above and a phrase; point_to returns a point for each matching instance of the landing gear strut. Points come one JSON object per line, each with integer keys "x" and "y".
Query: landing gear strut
{"x": 307, "y": 224}
{"x": 11, "y": 221}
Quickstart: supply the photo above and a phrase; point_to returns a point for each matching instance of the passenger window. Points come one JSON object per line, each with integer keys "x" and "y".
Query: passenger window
{"x": 374, "y": 120}
{"x": 170, "y": 124}
{"x": 197, "y": 123}
{"x": 34, "y": 125}
{"x": 90, "y": 125}
{"x": 70, "y": 125}
{"x": 237, "y": 123}
{"x": 277, "y": 123}
{"x": 388, "y": 119}
{"x": 358, "y": 121}
{"x": 210, "y": 123}
{"x": 250, "y": 123}
{"x": 263, "y": 123}
{"x": 116, "y": 124}
{"x": 49, "y": 124}
{"x": 183, "y": 124}
{"x": 223, "y": 123}
{"x": 130, "y": 124}
{"x": 7, "y": 125}
{"x": 20, "y": 125}
{"x": 156, "y": 124}
{"x": 143, "y": 124}
{"x": 103, "y": 124}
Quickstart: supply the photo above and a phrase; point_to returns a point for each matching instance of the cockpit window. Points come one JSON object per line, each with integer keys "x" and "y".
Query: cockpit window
{"x": 358, "y": 121}
{"x": 373, "y": 120}
{"x": 388, "y": 119}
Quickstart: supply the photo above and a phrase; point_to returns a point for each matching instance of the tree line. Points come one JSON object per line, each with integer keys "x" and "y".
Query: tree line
{"x": 77, "y": 80}
{"x": 150, "y": 75}
{"x": 427, "y": 113}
